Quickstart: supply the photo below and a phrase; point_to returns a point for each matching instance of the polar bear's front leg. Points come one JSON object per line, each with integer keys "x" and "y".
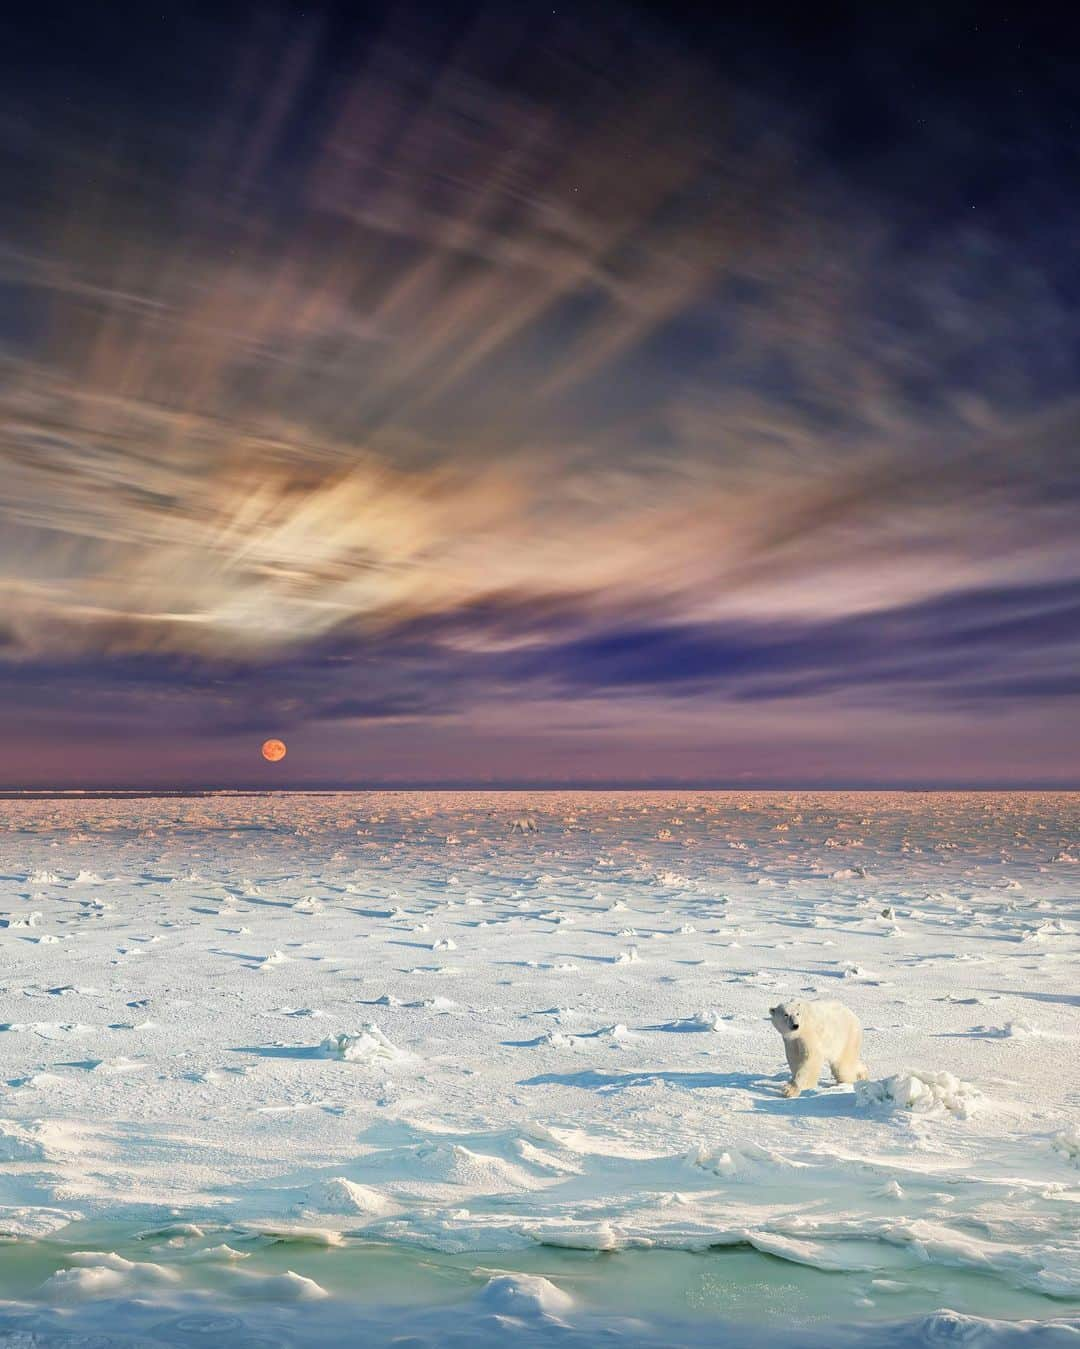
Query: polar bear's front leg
{"x": 805, "y": 1068}
{"x": 807, "y": 1076}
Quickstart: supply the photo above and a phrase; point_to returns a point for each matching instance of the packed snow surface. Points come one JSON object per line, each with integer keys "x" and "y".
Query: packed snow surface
{"x": 411, "y": 1016}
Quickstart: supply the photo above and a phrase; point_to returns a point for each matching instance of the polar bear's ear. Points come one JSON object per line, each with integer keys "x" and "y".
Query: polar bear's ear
{"x": 772, "y": 1011}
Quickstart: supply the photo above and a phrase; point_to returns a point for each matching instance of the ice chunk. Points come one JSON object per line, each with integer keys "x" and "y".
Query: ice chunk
{"x": 926, "y": 1093}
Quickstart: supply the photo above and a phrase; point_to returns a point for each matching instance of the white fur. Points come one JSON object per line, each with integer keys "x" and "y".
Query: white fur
{"x": 816, "y": 1033}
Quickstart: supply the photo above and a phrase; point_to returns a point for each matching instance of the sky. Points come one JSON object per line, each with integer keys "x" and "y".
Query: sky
{"x": 508, "y": 394}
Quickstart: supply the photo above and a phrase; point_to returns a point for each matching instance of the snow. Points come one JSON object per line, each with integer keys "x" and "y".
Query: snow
{"x": 548, "y": 1034}
{"x": 291, "y": 1310}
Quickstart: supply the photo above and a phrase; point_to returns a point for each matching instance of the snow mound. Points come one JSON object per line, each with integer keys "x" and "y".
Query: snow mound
{"x": 674, "y": 879}
{"x": 359, "y": 1046}
{"x": 558, "y": 1040}
{"x": 480, "y": 1172}
{"x": 209, "y": 1255}
{"x": 706, "y": 1019}
{"x": 120, "y": 1064}
{"x": 925, "y": 1093}
{"x": 18, "y": 1144}
{"x": 1068, "y": 1144}
{"x": 526, "y": 1296}
{"x": 36, "y": 1140}
{"x": 169, "y": 1232}
{"x": 104, "y": 1274}
{"x": 339, "y": 1195}
{"x": 616, "y": 1032}
{"x": 288, "y": 1234}
{"x": 287, "y": 1287}
{"x": 750, "y": 1162}
{"x": 1019, "y": 1030}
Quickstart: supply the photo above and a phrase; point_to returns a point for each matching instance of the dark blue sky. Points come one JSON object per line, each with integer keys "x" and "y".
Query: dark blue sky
{"x": 633, "y": 393}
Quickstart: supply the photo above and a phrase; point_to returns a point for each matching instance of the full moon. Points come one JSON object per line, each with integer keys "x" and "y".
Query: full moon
{"x": 274, "y": 750}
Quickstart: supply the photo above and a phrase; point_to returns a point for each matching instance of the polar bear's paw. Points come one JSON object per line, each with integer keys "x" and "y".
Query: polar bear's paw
{"x": 789, "y": 1089}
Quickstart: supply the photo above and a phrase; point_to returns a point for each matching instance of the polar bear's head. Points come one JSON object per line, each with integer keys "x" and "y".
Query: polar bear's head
{"x": 787, "y": 1017}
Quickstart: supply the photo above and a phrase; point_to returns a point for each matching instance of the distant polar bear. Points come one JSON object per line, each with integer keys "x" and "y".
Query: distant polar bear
{"x": 524, "y": 824}
{"x": 816, "y": 1033}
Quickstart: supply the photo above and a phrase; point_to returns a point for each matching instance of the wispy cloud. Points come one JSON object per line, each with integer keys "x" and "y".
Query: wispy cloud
{"x": 492, "y": 369}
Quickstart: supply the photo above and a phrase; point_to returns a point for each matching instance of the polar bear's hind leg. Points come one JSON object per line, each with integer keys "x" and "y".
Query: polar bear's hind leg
{"x": 849, "y": 1067}
{"x": 844, "y": 1070}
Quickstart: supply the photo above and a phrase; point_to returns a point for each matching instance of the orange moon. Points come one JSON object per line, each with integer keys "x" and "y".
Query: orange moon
{"x": 273, "y": 750}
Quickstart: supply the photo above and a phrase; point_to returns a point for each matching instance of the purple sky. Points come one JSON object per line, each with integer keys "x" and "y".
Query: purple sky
{"x": 480, "y": 400}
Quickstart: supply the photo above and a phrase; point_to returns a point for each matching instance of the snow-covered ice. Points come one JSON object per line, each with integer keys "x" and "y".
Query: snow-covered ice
{"x": 408, "y": 1018}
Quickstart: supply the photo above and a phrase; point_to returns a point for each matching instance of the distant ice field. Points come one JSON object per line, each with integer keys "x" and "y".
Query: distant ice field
{"x": 443, "y": 1064}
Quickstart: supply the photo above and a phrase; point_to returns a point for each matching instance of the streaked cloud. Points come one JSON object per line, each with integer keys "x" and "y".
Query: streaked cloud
{"x": 419, "y": 377}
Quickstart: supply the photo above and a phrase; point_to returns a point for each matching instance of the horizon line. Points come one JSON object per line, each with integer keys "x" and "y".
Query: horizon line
{"x": 538, "y": 785}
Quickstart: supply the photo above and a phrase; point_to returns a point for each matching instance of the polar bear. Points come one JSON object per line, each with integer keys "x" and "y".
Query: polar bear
{"x": 816, "y": 1033}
